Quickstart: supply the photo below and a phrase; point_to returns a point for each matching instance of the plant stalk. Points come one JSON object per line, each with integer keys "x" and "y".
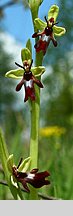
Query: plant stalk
{"x": 35, "y": 114}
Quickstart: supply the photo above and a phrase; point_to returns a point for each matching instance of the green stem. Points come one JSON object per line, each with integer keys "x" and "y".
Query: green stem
{"x": 34, "y": 141}
{"x": 35, "y": 113}
{"x": 34, "y": 132}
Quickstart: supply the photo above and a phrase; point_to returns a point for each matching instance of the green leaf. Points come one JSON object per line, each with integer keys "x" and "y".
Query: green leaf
{"x": 58, "y": 31}
{"x": 16, "y": 74}
{"x": 3, "y": 157}
{"x": 10, "y": 162}
{"x": 29, "y": 45}
{"x": 53, "y": 12}
{"x": 3, "y": 144}
{"x": 40, "y": 25}
{"x": 25, "y": 54}
{"x": 24, "y": 165}
{"x": 38, "y": 71}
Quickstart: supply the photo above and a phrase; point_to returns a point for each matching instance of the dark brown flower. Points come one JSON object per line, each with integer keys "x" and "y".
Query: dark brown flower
{"x": 28, "y": 81}
{"x": 45, "y": 36}
{"x": 34, "y": 178}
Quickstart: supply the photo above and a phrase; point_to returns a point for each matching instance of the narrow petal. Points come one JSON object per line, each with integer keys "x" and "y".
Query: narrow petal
{"x": 38, "y": 83}
{"x": 16, "y": 74}
{"x": 54, "y": 42}
{"x": 20, "y": 162}
{"x": 35, "y": 35}
{"x": 53, "y": 12}
{"x": 58, "y": 31}
{"x": 40, "y": 25}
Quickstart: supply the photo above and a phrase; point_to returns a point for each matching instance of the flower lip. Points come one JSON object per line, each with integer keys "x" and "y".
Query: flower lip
{"x": 42, "y": 45}
{"x": 38, "y": 180}
{"x": 34, "y": 178}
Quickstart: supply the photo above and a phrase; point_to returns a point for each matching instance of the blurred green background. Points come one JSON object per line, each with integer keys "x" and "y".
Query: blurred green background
{"x": 56, "y": 113}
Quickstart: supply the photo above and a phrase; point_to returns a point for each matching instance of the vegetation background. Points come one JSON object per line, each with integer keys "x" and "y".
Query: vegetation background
{"x": 56, "y": 114}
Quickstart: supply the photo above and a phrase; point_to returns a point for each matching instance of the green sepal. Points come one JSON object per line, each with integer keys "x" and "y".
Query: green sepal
{"x": 10, "y": 163}
{"x": 53, "y": 12}
{"x": 25, "y": 54}
{"x": 40, "y": 25}
{"x": 16, "y": 74}
{"x": 14, "y": 181}
{"x": 58, "y": 31}
{"x": 24, "y": 165}
{"x": 38, "y": 71}
{"x": 29, "y": 45}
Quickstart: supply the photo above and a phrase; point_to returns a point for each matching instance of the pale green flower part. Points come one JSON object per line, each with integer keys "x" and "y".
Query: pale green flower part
{"x": 22, "y": 166}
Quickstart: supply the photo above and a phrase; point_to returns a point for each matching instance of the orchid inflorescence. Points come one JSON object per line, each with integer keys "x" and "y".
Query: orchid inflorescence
{"x": 48, "y": 31}
{"x": 30, "y": 78}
